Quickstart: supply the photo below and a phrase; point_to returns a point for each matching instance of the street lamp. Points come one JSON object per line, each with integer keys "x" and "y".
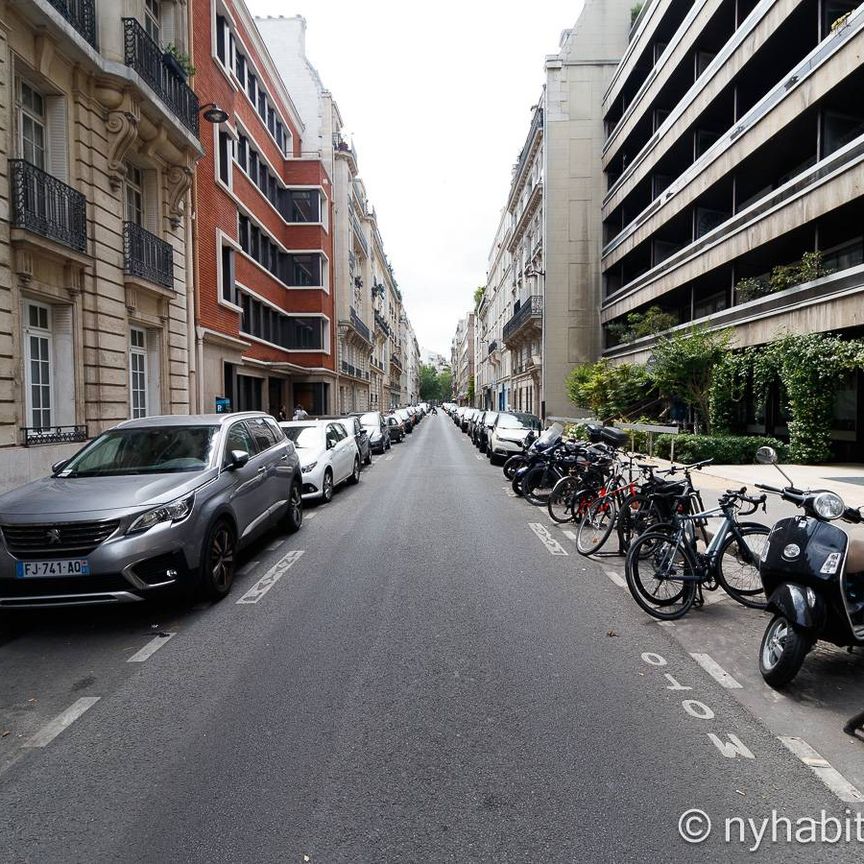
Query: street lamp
{"x": 213, "y": 113}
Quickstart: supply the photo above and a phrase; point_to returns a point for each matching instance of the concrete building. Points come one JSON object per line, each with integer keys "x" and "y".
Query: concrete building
{"x": 100, "y": 133}
{"x": 735, "y": 144}
{"x": 265, "y": 313}
{"x": 434, "y": 359}
{"x": 371, "y": 366}
{"x": 554, "y": 237}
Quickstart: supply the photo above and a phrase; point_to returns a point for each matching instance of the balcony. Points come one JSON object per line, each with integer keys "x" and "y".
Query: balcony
{"x": 493, "y": 346}
{"x": 35, "y": 435}
{"x": 354, "y": 371}
{"x": 81, "y": 15}
{"x": 359, "y": 326}
{"x": 528, "y": 316}
{"x": 381, "y": 323}
{"x": 395, "y": 361}
{"x": 358, "y": 233}
{"x": 148, "y": 60}
{"x": 48, "y": 207}
{"x": 147, "y": 257}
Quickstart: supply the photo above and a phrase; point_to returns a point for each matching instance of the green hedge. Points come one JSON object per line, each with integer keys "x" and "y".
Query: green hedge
{"x": 723, "y": 449}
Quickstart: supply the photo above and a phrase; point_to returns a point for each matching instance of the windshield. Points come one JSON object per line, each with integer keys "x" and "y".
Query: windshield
{"x": 555, "y": 431}
{"x": 150, "y": 450}
{"x": 370, "y": 420}
{"x": 489, "y": 419}
{"x": 511, "y": 421}
{"x": 305, "y": 437}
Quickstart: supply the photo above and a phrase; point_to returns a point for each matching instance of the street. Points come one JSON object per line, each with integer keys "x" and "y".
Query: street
{"x": 437, "y": 677}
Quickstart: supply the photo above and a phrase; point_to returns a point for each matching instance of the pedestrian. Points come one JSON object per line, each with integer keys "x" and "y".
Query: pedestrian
{"x": 299, "y": 413}
{"x": 283, "y": 413}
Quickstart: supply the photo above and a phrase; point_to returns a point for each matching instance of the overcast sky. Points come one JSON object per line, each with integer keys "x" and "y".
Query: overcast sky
{"x": 437, "y": 98}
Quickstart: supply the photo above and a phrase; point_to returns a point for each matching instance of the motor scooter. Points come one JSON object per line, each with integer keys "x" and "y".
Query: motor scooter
{"x": 813, "y": 576}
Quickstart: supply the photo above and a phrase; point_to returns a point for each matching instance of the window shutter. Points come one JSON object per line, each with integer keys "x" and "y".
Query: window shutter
{"x": 58, "y": 137}
{"x": 150, "y": 182}
{"x": 63, "y": 366}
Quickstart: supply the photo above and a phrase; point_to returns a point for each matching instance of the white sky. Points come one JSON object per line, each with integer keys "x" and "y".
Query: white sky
{"x": 437, "y": 99}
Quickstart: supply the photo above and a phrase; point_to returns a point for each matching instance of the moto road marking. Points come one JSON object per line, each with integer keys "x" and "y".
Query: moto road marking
{"x": 509, "y": 491}
{"x": 388, "y": 458}
{"x": 823, "y": 769}
{"x": 49, "y": 732}
{"x": 478, "y": 456}
{"x": 150, "y": 648}
{"x": 553, "y": 547}
{"x": 716, "y": 671}
{"x": 271, "y": 577}
{"x": 617, "y": 578}
{"x": 570, "y": 535}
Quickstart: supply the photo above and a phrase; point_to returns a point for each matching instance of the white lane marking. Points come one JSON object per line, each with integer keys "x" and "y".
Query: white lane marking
{"x": 617, "y": 578}
{"x": 823, "y": 769}
{"x": 248, "y": 568}
{"x": 309, "y": 515}
{"x": 716, "y": 671}
{"x": 49, "y": 732}
{"x": 478, "y": 456}
{"x": 388, "y": 458}
{"x": 551, "y": 544}
{"x": 150, "y": 648}
{"x": 570, "y": 535}
{"x": 274, "y": 545}
{"x": 508, "y": 490}
{"x": 271, "y": 577}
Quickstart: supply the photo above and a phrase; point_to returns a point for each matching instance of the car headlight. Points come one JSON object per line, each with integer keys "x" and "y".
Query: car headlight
{"x": 305, "y": 469}
{"x": 829, "y": 505}
{"x": 376, "y": 436}
{"x": 176, "y": 511}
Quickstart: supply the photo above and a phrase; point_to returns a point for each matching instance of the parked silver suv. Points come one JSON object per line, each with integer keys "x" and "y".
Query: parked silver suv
{"x": 152, "y": 503}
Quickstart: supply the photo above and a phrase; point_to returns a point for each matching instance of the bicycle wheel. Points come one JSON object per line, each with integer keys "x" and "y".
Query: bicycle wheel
{"x": 738, "y": 565}
{"x": 538, "y": 483}
{"x": 636, "y": 515}
{"x": 597, "y": 525}
{"x": 560, "y": 503}
{"x": 662, "y": 582}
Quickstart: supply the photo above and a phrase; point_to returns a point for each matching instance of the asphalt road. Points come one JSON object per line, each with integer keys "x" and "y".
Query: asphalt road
{"x": 432, "y": 680}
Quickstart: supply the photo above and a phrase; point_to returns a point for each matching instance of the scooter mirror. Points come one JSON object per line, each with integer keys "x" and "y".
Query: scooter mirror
{"x": 766, "y": 456}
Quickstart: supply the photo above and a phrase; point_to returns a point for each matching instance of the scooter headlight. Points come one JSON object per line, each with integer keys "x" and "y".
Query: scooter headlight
{"x": 828, "y": 505}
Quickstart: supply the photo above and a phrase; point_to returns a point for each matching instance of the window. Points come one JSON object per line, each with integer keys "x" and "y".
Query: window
{"x": 238, "y": 439}
{"x": 252, "y": 87}
{"x": 226, "y": 150}
{"x": 227, "y": 275}
{"x": 240, "y": 69}
{"x": 134, "y": 195}
{"x": 305, "y": 270}
{"x": 301, "y": 205}
{"x": 242, "y": 144}
{"x": 138, "y": 372}
{"x": 151, "y": 18}
{"x": 39, "y": 365}
{"x": 261, "y": 433}
{"x": 32, "y": 126}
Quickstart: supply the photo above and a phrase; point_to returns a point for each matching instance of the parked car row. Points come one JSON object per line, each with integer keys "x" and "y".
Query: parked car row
{"x": 498, "y": 434}
{"x": 166, "y": 503}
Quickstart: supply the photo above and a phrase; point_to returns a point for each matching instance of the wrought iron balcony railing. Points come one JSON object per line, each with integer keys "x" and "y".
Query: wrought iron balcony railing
{"x": 530, "y": 309}
{"x": 145, "y": 56}
{"x": 381, "y": 322}
{"x": 47, "y": 206}
{"x": 146, "y": 256}
{"x": 395, "y": 361}
{"x": 81, "y": 14}
{"x": 53, "y": 435}
{"x": 358, "y": 325}
{"x": 493, "y": 346}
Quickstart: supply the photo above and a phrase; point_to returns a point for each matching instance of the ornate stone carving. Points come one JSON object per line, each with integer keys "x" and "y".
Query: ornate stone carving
{"x": 122, "y": 128}
{"x": 24, "y": 266}
{"x": 179, "y": 181}
{"x": 74, "y": 278}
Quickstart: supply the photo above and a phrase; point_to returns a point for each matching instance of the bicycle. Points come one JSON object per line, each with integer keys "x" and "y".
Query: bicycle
{"x": 666, "y": 573}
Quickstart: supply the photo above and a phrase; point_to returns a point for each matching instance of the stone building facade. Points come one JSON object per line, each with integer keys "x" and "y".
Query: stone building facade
{"x": 99, "y": 134}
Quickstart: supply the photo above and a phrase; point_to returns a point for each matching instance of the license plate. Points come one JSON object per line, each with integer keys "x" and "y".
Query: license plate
{"x": 68, "y": 567}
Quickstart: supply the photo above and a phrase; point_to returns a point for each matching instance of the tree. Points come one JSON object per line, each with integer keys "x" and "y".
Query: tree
{"x": 618, "y": 392}
{"x": 682, "y": 366}
{"x": 445, "y": 385}
{"x": 470, "y": 389}
{"x": 430, "y": 388}
{"x": 479, "y": 291}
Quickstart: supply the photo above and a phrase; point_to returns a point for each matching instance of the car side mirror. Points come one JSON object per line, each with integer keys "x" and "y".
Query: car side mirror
{"x": 57, "y": 467}
{"x": 237, "y": 459}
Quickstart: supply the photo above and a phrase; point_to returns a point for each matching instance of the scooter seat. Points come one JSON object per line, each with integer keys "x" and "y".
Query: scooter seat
{"x": 855, "y": 556}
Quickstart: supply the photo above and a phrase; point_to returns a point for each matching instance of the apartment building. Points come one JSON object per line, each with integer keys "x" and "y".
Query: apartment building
{"x": 553, "y": 235}
{"x": 462, "y": 352}
{"x": 371, "y": 364}
{"x": 100, "y": 133}
{"x": 735, "y": 144}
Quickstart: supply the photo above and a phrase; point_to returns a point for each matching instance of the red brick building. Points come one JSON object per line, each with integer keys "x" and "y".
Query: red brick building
{"x": 265, "y": 335}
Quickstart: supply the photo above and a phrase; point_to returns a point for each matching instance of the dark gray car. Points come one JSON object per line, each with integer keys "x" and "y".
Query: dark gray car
{"x": 154, "y": 503}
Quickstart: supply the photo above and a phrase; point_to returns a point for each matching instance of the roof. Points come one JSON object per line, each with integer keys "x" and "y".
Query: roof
{"x": 188, "y": 419}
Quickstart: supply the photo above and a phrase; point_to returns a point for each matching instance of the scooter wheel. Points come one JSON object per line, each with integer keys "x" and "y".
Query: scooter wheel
{"x": 782, "y": 652}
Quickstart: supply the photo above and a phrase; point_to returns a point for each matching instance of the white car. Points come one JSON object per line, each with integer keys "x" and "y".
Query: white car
{"x": 328, "y": 456}
{"x": 508, "y": 434}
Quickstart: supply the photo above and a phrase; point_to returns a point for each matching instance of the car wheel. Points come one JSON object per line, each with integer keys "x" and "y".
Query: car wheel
{"x": 368, "y": 459}
{"x": 218, "y": 560}
{"x": 327, "y": 487}
{"x": 354, "y": 479}
{"x": 389, "y": 444}
{"x": 293, "y": 518}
